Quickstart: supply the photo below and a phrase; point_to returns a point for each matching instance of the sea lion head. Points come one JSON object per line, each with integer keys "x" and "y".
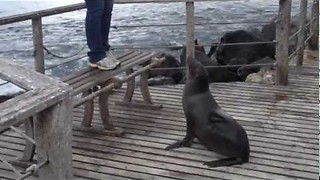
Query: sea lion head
{"x": 197, "y": 76}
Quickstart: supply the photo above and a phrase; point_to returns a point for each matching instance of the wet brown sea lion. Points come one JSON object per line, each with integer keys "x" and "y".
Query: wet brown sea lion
{"x": 214, "y": 128}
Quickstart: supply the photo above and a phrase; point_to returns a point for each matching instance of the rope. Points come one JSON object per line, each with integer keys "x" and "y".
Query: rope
{"x": 295, "y": 34}
{"x": 180, "y": 47}
{"x": 308, "y": 24}
{"x": 214, "y": 67}
{"x": 184, "y": 24}
{"x": 293, "y": 54}
{"x": 33, "y": 169}
{"x": 22, "y": 134}
{"x": 62, "y": 57}
{"x": 66, "y": 62}
{"x": 310, "y": 36}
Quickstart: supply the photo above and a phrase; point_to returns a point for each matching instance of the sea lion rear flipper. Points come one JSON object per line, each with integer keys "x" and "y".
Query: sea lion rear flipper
{"x": 224, "y": 162}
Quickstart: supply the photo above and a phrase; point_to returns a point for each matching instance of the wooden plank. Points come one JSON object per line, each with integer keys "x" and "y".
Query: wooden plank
{"x": 257, "y": 138}
{"x": 283, "y": 101}
{"x": 268, "y": 110}
{"x": 153, "y": 149}
{"x": 121, "y": 168}
{"x": 196, "y": 153}
{"x": 105, "y": 75}
{"x": 123, "y": 154}
{"x": 94, "y": 73}
{"x": 262, "y": 120}
{"x": 79, "y": 6}
{"x": 280, "y": 135}
{"x": 25, "y": 78}
{"x": 87, "y": 72}
{"x": 85, "y": 171}
{"x": 24, "y": 106}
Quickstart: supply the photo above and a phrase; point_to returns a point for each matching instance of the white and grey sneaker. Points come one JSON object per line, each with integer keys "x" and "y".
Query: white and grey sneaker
{"x": 108, "y": 63}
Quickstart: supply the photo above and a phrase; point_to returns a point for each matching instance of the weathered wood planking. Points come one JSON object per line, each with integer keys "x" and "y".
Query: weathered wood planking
{"x": 282, "y": 125}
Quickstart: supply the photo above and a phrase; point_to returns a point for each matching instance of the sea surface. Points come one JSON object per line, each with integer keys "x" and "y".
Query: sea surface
{"x": 64, "y": 34}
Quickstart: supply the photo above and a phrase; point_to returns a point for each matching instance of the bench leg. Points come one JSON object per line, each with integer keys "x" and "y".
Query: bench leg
{"x": 130, "y": 87}
{"x": 147, "y": 100}
{"x": 145, "y": 88}
{"x": 29, "y": 149}
{"x": 145, "y": 91}
{"x": 105, "y": 116}
{"x": 88, "y": 111}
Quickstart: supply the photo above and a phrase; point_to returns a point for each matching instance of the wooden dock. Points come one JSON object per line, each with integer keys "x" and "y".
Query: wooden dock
{"x": 282, "y": 124}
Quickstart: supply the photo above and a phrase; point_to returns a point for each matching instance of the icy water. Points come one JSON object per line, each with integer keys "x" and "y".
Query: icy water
{"x": 64, "y": 34}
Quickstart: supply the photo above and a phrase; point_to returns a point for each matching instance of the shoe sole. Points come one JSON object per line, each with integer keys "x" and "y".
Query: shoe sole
{"x": 108, "y": 69}
{"x": 93, "y": 65}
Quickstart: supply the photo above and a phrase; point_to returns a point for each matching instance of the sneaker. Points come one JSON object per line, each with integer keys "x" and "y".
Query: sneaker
{"x": 108, "y": 63}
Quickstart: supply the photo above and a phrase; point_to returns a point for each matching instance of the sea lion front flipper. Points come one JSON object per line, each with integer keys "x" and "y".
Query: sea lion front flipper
{"x": 186, "y": 142}
{"x": 224, "y": 162}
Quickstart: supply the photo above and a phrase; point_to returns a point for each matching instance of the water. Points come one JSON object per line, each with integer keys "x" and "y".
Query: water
{"x": 64, "y": 34}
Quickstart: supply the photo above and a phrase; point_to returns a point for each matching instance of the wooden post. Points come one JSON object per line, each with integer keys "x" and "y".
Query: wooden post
{"x": 302, "y": 33}
{"x": 282, "y": 37}
{"x": 190, "y": 30}
{"x": 38, "y": 44}
{"x": 53, "y": 133}
{"x": 314, "y": 26}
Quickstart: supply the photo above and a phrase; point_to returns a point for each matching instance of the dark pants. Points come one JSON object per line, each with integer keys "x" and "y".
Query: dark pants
{"x": 97, "y": 25}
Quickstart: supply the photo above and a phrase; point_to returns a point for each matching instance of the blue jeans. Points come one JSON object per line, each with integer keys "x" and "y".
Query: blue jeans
{"x": 97, "y": 26}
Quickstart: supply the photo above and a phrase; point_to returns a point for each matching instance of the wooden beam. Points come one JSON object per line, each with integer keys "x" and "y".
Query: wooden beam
{"x": 314, "y": 27}
{"x": 302, "y": 31}
{"x": 190, "y": 31}
{"x": 53, "y": 133}
{"x": 79, "y": 6}
{"x": 282, "y": 38}
{"x": 42, "y": 92}
{"x": 38, "y": 45}
{"x": 25, "y": 78}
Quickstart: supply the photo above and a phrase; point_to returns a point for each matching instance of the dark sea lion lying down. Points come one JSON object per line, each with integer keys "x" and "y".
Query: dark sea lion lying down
{"x": 214, "y": 128}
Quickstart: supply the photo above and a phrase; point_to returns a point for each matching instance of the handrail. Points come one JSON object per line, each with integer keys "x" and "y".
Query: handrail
{"x": 79, "y": 6}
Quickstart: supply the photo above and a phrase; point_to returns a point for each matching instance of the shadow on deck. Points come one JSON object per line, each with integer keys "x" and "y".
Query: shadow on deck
{"x": 282, "y": 124}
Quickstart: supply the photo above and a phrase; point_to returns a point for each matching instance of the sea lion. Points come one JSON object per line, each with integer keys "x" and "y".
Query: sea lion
{"x": 242, "y": 54}
{"x": 214, "y": 128}
{"x": 215, "y": 74}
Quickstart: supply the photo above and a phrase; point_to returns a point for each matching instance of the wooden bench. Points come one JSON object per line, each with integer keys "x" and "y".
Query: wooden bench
{"x": 92, "y": 82}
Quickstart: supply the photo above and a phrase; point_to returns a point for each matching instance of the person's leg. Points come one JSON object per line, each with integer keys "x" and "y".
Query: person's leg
{"x": 95, "y": 11}
{"x": 106, "y": 21}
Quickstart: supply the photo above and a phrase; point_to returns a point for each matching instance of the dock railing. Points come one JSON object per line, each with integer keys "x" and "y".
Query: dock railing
{"x": 282, "y": 30}
{"x": 46, "y": 104}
